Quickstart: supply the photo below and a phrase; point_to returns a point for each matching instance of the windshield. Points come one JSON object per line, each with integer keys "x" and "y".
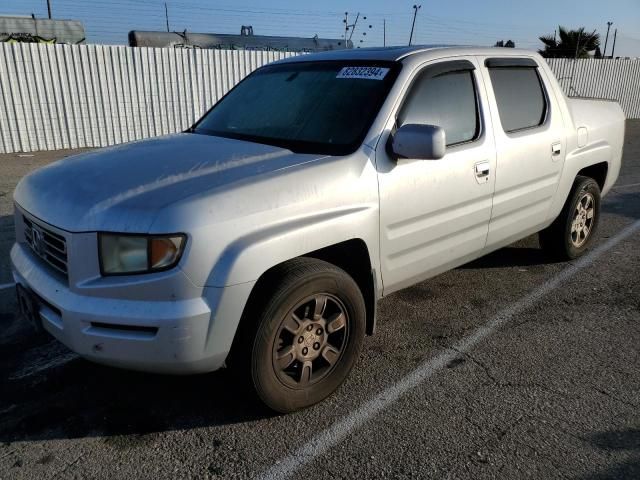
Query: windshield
{"x": 319, "y": 107}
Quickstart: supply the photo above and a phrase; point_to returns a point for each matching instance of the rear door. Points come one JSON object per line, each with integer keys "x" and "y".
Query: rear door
{"x": 434, "y": 214}
{"x": 530, "y": 146}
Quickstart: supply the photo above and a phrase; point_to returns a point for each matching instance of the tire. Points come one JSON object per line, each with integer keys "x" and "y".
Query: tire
{"x": 565, "y": 239}
{"x": 307, "y": 334}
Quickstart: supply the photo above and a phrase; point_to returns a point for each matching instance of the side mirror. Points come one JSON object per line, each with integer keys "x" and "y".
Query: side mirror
{"x": 425, "y": 142}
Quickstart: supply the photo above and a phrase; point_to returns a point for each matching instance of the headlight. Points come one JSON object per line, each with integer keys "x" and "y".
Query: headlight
{"x": 129, "y": 254}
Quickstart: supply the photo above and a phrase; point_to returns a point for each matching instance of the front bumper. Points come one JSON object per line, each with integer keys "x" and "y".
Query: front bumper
{"x": 165, "y": 335}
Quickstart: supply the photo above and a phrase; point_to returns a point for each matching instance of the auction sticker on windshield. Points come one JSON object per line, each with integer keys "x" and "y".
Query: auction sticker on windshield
{"x": 365, "y": 73}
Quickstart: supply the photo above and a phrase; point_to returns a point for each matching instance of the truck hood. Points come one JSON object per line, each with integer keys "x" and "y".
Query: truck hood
{"x": 123, "y": 188}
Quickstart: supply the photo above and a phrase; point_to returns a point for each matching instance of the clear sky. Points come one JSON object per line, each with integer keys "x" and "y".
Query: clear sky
{"x": 469, "y": 22}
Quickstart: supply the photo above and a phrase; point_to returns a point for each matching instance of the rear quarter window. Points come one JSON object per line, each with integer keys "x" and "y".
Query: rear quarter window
{"x": 520, "y": 97}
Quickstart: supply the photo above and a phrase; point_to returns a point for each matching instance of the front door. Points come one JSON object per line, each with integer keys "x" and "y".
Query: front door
{"x": 434, "y": 214}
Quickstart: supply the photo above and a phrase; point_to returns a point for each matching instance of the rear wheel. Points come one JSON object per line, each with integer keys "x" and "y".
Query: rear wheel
{"x": 307, "y": 336}
{"x": 570, "y": 235}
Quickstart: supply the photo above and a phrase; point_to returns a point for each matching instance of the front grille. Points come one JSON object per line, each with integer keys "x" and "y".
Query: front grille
{"x": 48, "y": 245}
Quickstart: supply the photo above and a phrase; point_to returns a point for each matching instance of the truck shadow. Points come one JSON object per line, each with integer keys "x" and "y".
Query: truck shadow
{"x": 618, "y": 441}
{"x": 47, "y": 393}
{"x": 623, "y": 201}
{"x": 527, "y": 252}
{"x": 7, "y": 237}
{"x": 79, "y": 399}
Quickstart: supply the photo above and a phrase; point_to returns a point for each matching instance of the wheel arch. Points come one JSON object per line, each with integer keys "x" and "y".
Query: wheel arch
{"x": 351, "y": 255}
{"x": 588, "y": 164}
{"x": 597, "y": 171}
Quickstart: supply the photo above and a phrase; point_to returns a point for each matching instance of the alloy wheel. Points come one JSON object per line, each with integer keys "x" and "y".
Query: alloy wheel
{"x": 583, "y": 218}
{"x": 310, "y": 340}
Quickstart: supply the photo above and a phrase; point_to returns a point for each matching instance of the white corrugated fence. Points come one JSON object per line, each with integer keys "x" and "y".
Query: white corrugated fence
{"x": 71, "y": 96}
{"x": 612, "y": 79}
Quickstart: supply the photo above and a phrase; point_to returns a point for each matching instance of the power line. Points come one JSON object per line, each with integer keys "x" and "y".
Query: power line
{"x": 111, "y": 20}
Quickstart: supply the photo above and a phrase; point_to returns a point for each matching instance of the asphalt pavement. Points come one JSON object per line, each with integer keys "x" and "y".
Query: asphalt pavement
{"x": 513, "y": 366}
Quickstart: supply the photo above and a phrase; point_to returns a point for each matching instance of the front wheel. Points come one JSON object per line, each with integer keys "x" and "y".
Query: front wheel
{"x": 310, "y": 329}
{"x": 570, "y": 235}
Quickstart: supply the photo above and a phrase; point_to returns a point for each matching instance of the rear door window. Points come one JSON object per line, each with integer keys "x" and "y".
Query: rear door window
{"x": 520, "y": 98}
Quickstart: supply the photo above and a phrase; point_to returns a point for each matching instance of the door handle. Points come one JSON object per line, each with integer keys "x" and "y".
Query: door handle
{"x": 482, "y": 171}
{"x": 556, "y": 149}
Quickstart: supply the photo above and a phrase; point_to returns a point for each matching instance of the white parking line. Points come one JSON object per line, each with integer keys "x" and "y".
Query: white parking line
{"x": 7, "y": 285}
{"x": 337, "y": 432}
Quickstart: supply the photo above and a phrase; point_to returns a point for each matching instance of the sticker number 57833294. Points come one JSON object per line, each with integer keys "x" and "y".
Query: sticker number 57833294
{"x": 365, "y": 73}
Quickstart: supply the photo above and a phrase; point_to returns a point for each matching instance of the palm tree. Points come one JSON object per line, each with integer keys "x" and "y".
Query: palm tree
{"x": 572, "y": 43}
{"x": 507, "y": 44}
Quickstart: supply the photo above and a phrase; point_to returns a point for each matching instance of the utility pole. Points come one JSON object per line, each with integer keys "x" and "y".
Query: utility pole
{"x": 604, "y": 54}
{"x": 384, "y": 32}
{"x": 49, "y": 8}
{"x": 353, "y": 27}
{"x": 415, "y": 14}
{"x": 166, "y": 15}
{"x": 346, "y": 27}
{"x": 613, "y": 50}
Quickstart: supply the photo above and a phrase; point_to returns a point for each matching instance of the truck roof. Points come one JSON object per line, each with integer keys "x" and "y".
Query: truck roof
{"x": 398, "y": 53}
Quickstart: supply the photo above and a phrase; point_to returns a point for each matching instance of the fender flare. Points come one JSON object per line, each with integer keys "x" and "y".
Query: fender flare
{"x": 248, "y": 257}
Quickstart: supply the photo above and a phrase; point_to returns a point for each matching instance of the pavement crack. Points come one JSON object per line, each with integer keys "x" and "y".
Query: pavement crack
{"x": 509, "y": 384}
{"x": 470, "y": 420}
{"x": 502, "y": 432}
{"x": 616, "y": 398}
{"x": 546, "y": 457}
{"x": 474, "y": 360}
{"x": 67, "y": 466}
{"x": 7, "y": 454}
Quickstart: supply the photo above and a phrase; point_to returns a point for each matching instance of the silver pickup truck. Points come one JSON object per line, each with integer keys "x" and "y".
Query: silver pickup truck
{"x": 262, "y": 237}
